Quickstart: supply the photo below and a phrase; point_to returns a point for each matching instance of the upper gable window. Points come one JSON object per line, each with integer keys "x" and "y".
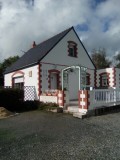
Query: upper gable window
{"x": 104, "y": 80}
{"x": 72, "y": 49}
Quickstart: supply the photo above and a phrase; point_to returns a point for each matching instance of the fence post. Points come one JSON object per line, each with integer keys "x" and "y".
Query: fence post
{"x": 83, "y": 99}
{"x": 63, "y": 98}
{"x": 60, "y": 97}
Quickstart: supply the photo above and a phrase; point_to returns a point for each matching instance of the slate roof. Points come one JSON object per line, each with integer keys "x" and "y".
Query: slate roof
{"x": 34, "y": 55}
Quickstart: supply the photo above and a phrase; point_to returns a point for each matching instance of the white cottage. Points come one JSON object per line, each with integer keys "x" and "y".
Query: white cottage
{"x": 42, "y": 65}
{"x": 63, "y": 62}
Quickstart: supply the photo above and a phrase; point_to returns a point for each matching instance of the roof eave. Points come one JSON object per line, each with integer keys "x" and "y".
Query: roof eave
{"x": 56, "y": 43}
{"x": 23, "y": 67}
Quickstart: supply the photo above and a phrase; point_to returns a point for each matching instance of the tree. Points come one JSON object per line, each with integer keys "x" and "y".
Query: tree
{"x": 117, "y": 60}
{"x": 99, "y": 58}
{"x": 6, "y": 63}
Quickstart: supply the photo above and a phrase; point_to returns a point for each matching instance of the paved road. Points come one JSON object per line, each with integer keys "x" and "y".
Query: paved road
{"x": 48, "y": 136}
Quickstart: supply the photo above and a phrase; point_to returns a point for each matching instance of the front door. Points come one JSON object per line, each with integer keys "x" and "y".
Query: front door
{"x": 53, "y": 80}
{"x": 73, "y": 85}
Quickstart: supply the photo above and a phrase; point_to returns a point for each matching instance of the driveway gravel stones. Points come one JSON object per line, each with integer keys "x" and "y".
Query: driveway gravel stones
{"x": 43, "y": 135}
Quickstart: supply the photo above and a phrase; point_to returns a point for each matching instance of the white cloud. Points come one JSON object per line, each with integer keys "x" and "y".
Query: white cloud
{"x": 21, "y": 23}
{"x": 106, "y": 11}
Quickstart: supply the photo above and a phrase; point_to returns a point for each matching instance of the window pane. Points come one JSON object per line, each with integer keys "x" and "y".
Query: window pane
{"x": 71, "y": 51}
{"x": 104, "y": 80}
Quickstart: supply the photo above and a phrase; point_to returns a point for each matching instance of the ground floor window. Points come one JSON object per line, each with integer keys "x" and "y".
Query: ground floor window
{"x": 87, "y": 79}
{"x": 18, "y": 82}
{"x": 104, "y": 80}
{"x": 54, "y": 79}
{"x": 19, "y": 85}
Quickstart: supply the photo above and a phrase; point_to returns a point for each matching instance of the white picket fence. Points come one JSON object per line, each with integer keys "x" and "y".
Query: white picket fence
{"x": 104, "y": 97}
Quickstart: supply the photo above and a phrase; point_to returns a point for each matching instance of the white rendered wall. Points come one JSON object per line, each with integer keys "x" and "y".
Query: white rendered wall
{"x": 31, "y": 81}
{"x": 8, "y": 79}
{"x": 59, "y": 54}
{"x": 45, "y": 99}
{"x": 44, "y": 74}
{"x": 28, "y": 81}
{"x": 73, "y": 79}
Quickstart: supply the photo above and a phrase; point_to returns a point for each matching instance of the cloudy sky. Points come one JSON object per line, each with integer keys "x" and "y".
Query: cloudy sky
{"x": 97, "y": 23}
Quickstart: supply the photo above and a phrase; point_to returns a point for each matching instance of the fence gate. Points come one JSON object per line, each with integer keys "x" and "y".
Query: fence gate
{"x": 29, "y": 93}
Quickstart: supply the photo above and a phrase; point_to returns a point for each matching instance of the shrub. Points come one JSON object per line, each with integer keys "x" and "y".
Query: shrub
{"x": 13, "y": 100}
{"x": 47, "y": 106}
{"x": 23, "y": 106}
{"x": 9, "y": 97}
{"x": 29, "y": 105}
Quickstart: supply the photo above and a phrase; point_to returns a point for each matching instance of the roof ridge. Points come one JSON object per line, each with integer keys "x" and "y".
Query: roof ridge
{"x": 55, "y": 35}
{"x": 49, "y": 39}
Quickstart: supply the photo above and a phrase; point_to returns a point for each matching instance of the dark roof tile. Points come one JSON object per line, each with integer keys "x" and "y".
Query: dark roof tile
{"x": 34, "y": 55}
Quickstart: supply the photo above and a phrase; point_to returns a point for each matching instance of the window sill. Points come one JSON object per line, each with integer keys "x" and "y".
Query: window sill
{"x": 73, "y": 56}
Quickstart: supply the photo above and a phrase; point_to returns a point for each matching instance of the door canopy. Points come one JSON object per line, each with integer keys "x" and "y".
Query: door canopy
{"x": 67, "y": 70}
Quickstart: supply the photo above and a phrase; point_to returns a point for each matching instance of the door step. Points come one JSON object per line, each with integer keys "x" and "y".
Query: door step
{"x": 75, "y": 112}
{"x": 71, "y": 109}
{"x": 79, "y": 115}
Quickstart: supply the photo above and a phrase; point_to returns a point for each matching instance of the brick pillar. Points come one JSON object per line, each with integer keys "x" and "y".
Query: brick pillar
{"x": 83, "y": 98}
{"x": 61, "y": 98}
{"x": 39, "y": 79}
{"x": 114, "y": 76}
{"x": 95, "y": 78}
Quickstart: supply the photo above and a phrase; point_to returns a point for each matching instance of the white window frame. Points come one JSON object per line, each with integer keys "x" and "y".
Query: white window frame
{"x": 104, "y": 80}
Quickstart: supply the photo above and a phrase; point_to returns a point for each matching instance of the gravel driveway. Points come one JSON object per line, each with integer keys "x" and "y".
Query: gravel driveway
{"x": 48, "y": 136}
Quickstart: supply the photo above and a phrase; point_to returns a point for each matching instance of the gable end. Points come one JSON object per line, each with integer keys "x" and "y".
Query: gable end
{"x": 84, "y": 47}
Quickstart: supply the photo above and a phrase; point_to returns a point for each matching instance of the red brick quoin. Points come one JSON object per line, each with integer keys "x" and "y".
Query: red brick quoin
{"x": 85, "y": 99}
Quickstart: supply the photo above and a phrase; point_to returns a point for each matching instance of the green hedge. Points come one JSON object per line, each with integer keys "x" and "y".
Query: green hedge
{"x": 28, "y": 105}
{"x": 13, "y": 100}
{"x": 10, "y": 98}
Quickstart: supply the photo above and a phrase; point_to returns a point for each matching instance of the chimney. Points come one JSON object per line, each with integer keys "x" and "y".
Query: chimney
{"x": 34, "y": 44}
